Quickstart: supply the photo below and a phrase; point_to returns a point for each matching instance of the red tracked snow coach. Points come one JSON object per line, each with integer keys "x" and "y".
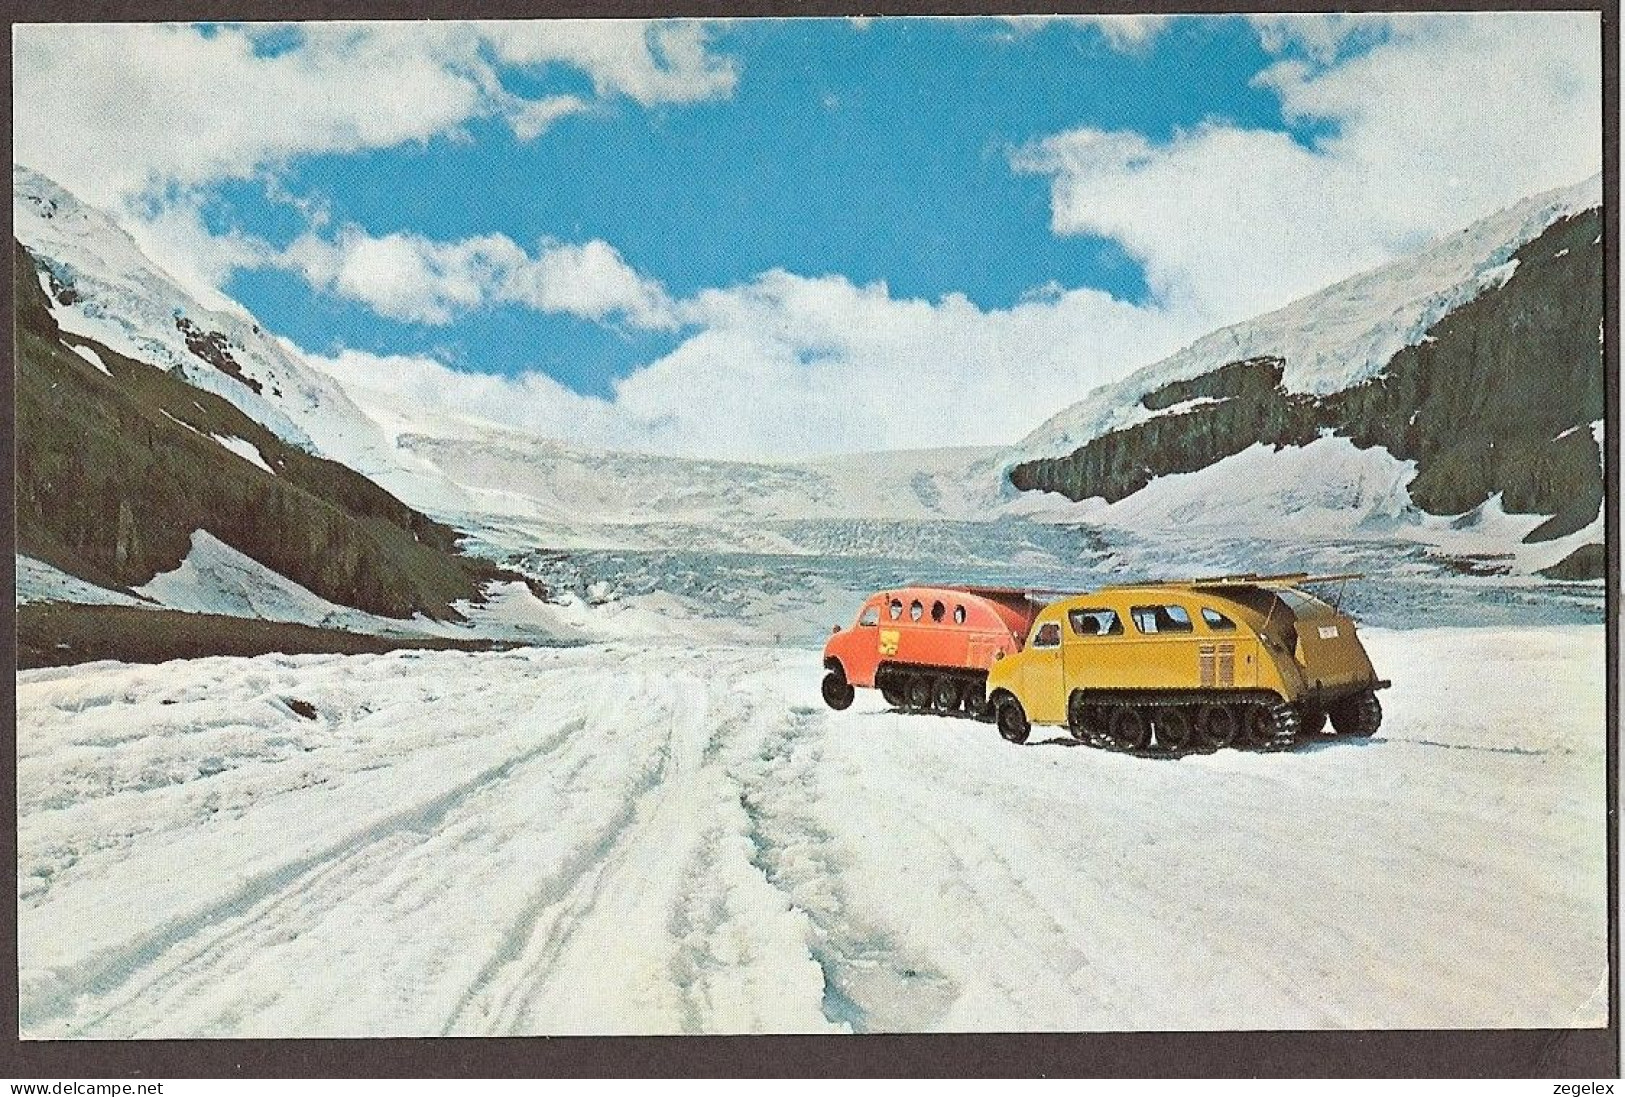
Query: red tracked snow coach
{"x": 927, "y": 648}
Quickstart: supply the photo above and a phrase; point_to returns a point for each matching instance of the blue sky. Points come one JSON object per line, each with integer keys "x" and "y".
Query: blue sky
{"x": 756, "y": 238}
{"x": 879, "y": 152}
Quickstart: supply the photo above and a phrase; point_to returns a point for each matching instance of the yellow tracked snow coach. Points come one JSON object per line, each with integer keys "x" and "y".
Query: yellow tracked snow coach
{"x": 1195, "y": 664}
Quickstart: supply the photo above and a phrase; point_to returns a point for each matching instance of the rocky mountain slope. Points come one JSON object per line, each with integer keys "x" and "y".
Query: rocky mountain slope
{"x": 119, "y": 463}
{"x": 1475, "y": 369}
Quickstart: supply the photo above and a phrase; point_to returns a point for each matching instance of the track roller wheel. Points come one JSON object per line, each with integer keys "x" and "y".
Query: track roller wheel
{"x": 1314, "y": 721}
{"x": 1128, "y": 727}
{"x": 838, "y": 692}
{"x": 1359, "y": 716}
{"x": 1173, "y": 726}
{"x": 1012, "y": 721}
{"x": 1272, "y": 726}
{"x": 1216, "y": 726}
{"x": 976, "y": 705}
{"x": 891, "y": 691}
{"x": 946, "y": 695}
{"x": 917, "y": 693}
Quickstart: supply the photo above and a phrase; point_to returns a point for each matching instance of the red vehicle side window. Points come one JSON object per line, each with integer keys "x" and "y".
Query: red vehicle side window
{"x": 959, "y": 615}
{"x": 895, "y": 610}
{"x": 870, "y": 618}
{"x": 915, "y": 611}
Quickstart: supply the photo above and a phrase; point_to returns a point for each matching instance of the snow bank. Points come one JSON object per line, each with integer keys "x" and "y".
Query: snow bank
{"x": 1330, "y": 485}
{"x": 38, "y": 581}
{"x": 245, "y": 449}
{"x": 216, "y": 578}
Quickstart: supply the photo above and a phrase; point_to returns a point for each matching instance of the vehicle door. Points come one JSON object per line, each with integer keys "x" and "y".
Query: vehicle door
{"x": 1093, "y": 655}
{"x": 1042, "y": 675}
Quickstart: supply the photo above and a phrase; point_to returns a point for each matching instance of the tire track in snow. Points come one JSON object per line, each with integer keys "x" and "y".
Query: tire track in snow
{"x": 741, "y": 958}
{"x": 703, "y": 943}
{"x": 871, "y": 981}
{"x": 106, "y": 972}
{"x": 524, "y": 964}
{"x": 568, "y": 892}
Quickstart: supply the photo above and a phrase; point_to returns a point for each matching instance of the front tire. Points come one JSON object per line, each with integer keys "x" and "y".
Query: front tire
{"x": 1012, "y": 721}
{"x": 838, "y": 692}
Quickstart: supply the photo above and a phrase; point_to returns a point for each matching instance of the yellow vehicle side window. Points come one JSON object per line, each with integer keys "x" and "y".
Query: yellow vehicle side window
{"x": 1160, "y": 619}
{"x": 1095, "y": 622}
{"x": 1049, "y": 636}
{"x": 1217, "y": 621}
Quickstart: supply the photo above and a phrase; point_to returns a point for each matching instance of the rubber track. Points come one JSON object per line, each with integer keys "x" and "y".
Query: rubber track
{"x": 1288, "y": 720}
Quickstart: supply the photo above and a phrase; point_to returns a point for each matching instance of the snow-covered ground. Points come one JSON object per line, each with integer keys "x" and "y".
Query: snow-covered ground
{"x": 658, "y": 837}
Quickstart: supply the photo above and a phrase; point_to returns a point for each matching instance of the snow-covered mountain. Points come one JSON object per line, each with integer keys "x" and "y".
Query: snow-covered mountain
{"x": 129, "y": 469}
{"x": 104, "y": 287}
{"x": 1339, "y": 336}
{"x": 1453, "y": 396}
{"x": 1268, "y": 444}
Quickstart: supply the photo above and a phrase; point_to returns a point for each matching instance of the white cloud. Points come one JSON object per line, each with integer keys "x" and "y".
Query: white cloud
{"x": 589, "y": 280}
{"x": 111, "y": 110}
{"x": 411, "y": 385}
{"x": 532, "y": 119}
{"x": 1123, "y": 33}
{"x": 787, "y": 366}
{"x": 1449, "y": 118}
{"x": 410, "y": 277}
{"x": 665, "y": 62}
{"x": 1322, "y": 36}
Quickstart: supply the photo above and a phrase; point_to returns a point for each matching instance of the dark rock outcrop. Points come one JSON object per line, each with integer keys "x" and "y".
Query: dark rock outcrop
{"x": 1497, "y": 399}
{"x": 114, "y": 473}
